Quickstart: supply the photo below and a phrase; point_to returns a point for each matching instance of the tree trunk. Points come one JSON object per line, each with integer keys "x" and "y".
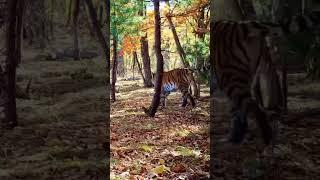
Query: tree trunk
{"x": 135, "y": 56}
{"x": 227, "y": 9}
{"x": 200, "y": 59}
{"x": 106, "y": 143}
{"x": 51, "y": 18}
{"x": 178, "y": 44}
{"x": 157, "y": 37}
{"x": 15, "y": 10}
{"x": 146, "y": 61}
{"x": 76, "y": 9}
{"x": 145, "y": 54}
{"x": 114, "y": 70}
{"x": 95, "y": 23}
{"x": 20, "y": 12}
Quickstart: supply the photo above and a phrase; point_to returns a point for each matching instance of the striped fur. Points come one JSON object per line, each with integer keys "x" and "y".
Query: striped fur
{"x": 244, "y": 68}
{"x": 177, "y": 79}
{"x": 246, "y": 65}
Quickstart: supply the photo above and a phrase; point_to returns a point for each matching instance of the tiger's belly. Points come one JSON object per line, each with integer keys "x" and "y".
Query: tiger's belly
{"x": 168, "y": 88}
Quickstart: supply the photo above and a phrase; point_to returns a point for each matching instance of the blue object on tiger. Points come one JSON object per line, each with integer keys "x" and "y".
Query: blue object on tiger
{"x": 167, "y": 88}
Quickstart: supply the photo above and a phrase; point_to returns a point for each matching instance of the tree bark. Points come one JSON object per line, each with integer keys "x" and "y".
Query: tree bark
{"x": 135, "y": 57}
{"x": 75, "y": 29}
{"x": 20, "y": 13}
{"x": 114, "y": 70}
{"x": 180, "y": 50}
{"x": 106, "y": 144}
{"x": 145, "y": 52}
{"x": 157, "y": 36}
{"x": 93, "y": 15}
{"x": 51, "y": 18}
{"x": 146, "y": 61}
{"x": 11, "y": 62}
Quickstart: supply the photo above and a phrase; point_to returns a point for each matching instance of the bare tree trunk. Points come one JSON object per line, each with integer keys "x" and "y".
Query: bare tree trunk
{"x": 95, "y": 23}
{"x": 21, "y": 5}
{"x": 200, "y": 59}
{"x": 15, "y": 10}
{"x": 135, "y": 57}
{"x": 114, "y": 70}
{"x": 178, "y": 44}
{"x": 157, "y": 37}
{"x": 146, "y": 61}
{"x": 145, "y": 52}
{"x": 76, "y": 9}
{"x": 51, "y": 18}
{"x": 133, "y": 66}
{"x": 107, "y": 137}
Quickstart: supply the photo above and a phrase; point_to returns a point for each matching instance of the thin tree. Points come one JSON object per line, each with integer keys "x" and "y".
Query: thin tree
{"x": 13, "y": 58}
{"x": 180, "y": 50}
{"x": 135, "y": 59}
{"x": 96, "y": 26}
{"x": 114, "y": 68}
{"x": 151, "y": 111}
{"x": 107, "y": 51}
{"x": 76, "y": 10}
{"x": 145, "y": 53}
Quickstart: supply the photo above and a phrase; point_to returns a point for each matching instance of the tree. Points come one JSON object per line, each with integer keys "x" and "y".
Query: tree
{"x": 146, "y": 61}
{"x": 114, "y": 68}
{"x": 151, "y": 111}
{"x": 178, "y": 44}
{"x": 96, "y": 26}
{"x": 75, "y": 29}
{"x": 135, "y": 59}
{"x": 145, "y": 53}
{"x": 13, "y": 41}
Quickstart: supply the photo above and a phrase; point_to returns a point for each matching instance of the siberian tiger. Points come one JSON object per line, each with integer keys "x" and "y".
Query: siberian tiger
{"x": 245, "y": 66}
{"x": 177, "y": 79}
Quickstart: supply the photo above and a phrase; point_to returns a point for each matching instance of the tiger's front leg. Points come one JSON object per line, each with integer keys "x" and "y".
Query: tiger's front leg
{"x": 163, "y": 98}
{"x": 239, "y": 125}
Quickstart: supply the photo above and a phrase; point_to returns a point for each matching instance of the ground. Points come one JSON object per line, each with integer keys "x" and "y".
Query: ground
{"x": 173, "y": 144}
{"x": 58, "y": 133}
{"x": 297, "y": 153}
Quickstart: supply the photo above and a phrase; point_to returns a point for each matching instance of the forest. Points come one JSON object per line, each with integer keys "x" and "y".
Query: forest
{"x": 148, "y": 140}
{"x": 53, "y": 89}
{"x": 139, "y": 76}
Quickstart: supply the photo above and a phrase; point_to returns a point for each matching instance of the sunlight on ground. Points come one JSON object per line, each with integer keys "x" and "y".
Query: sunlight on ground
{"x": 174, "y": 142}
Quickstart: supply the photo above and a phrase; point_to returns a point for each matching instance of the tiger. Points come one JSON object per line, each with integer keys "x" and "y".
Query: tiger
{"x": 246, "y": 67}
{"x": 177, "y": 79}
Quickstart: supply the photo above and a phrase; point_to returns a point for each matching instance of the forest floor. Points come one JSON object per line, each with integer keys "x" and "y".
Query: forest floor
{"x": 297, "y": 153}
{"x": 174, "y": 144}
{"x": 57, "y": 136}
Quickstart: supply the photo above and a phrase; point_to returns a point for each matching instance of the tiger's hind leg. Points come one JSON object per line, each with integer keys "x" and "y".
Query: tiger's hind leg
{"x": 185, "y": 96}
{"x": 243, "y": 107}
